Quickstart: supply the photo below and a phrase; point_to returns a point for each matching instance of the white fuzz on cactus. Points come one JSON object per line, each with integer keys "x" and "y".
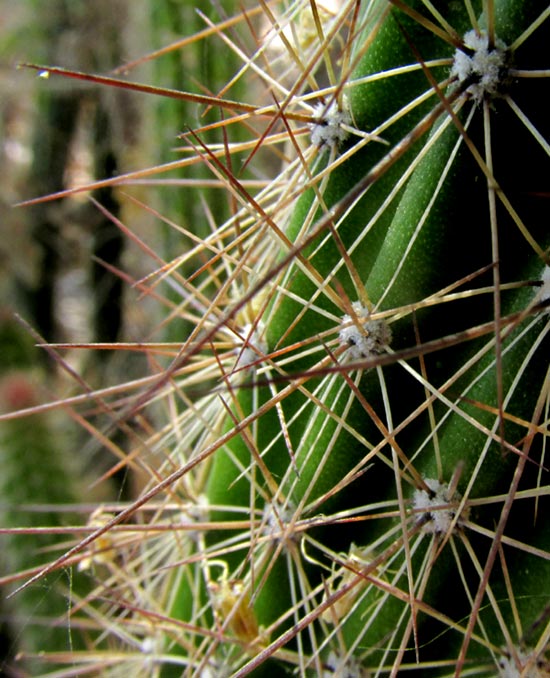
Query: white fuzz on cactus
{"x": 252, "y": 346}
{"x": 364, "y": 338}
{"x": 276, "y": 520}
{"x": 479, "y": 66}
{"x": 343, "y": 668}
{"x": 508, "y": 667}
{"x": 436, "y": 518}
{"x": 331, "y": 121}
{"x": 545, "y": 290}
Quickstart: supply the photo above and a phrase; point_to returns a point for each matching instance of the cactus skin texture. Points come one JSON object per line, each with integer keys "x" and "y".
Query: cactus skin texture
{"x": 363, "y": 490}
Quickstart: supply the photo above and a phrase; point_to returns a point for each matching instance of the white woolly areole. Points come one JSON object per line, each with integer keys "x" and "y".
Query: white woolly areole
{"x": 545, "y": 290}
{"x": 255, "y": 345}
{"x": 438, "y": 520}
{"x": 150, "y": 645}
{"x": 211, "y": 670}
{"x": 276, "y": 519}
{"x": 507, "y": 667}
{"x": 327, "y": 129}
{"x": 343, "y": 668}
{"x": 485, "y": 67}
{"x": 366, "y": 340}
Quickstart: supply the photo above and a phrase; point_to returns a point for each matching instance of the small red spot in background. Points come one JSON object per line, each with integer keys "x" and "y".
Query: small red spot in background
{"x": 17, "y": 391}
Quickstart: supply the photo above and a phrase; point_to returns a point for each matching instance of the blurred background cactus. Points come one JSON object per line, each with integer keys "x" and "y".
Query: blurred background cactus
{"x": 307, "y": 410}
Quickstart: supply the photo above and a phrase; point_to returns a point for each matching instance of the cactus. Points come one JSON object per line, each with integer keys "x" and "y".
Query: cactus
{"x": 39, "y": 507}
{"x": 348, "y": 465}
